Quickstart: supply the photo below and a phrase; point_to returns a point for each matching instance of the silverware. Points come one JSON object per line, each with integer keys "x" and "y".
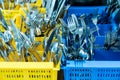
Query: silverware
{"x": 79, "y": 30}
{"x": 3, "y": 21}
{"x": 112, "y": 6}
{"x": 53, "y": 49}
{"x": 84, "y": 27}
{"x": 72, "y": 27}
{"x": 4, "y": 50}
{"x": 83, "y": 24}
{"x": 15, "y": 31}
{"x": 8, "y": 36}
{"x": 26, "y": 41}
{"x": 16, "y": 36}
{"x": 2, "y": 36}
{"x": 91, "y": 45}
{"x": 58, "y": 10}
{"x": 34, "y": 22}
{"x": 57, "y": 58}
{"x": 32, "y": 35}
{"x": 71, "y": 24}
{"x": 111, "y": 39}
{"x": 44, "y": 42}
{"x": 49, "y": 41}
{"x": 83, "y": 38}
{"x": 28, "y": 6}
{"x": 20, "y": 38}
{"x": 94, "y": 19}
{"x": 65, "y": 30}
{"x": 2, "y": 3}
{"x": 64, "y": 49}
{"x": 75, "y": 20}
{"x": 56, "y": 50}
{"x": 82, "y": 53}
{"x": 49, "y": 4}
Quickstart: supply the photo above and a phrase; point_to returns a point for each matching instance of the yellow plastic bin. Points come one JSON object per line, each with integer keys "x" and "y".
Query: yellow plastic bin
{"x": 28, "y": 71}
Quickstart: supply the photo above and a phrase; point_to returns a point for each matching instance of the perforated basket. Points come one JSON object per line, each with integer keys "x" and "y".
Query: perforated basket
{"x": 28, "y": 71}
{"x": 92, "y": 70}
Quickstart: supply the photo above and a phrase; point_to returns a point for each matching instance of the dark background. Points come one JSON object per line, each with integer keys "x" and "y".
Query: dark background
{"x": 87, "y": 2}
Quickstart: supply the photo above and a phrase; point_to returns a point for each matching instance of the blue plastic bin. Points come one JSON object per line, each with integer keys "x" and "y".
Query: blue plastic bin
{"x": 85, "y": 10}
{"x": 92, "y": 70}
{"x": 106, "y": 63}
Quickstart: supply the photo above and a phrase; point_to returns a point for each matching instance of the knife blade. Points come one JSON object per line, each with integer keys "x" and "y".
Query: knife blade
{"x": 49, "y": 41}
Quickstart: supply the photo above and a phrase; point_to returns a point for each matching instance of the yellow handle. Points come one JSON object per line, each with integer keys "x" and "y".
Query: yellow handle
{"x": 13, "y": 44}
{"x": 1, "y": 59}
{"x": 35, "y": 53}
{"x": 11, "y": 57}
{"x": 29, "y": 58}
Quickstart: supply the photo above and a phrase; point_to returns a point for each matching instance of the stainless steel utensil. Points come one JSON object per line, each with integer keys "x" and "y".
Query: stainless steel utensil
{"x": 83, "y": 54}
{"x": 71, "y": 24}
{"x": 49, "y": 41}
{"x": 75, "y": 20}
{"x": 94, "y": 19}
{"x": 49, "y": 4}
{"x": 59, "y": 8}
{"x": 65, "y": 30}
{"x": 3, "y": 21}
{"x": 2, "y": 3}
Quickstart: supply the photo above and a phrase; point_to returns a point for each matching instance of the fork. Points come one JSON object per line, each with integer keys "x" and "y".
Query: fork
{"x": 75, "y": 19}
{"x": 71, "y": 24}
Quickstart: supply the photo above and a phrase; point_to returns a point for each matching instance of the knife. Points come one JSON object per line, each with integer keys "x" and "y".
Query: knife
{"x": 49, "y": 41}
